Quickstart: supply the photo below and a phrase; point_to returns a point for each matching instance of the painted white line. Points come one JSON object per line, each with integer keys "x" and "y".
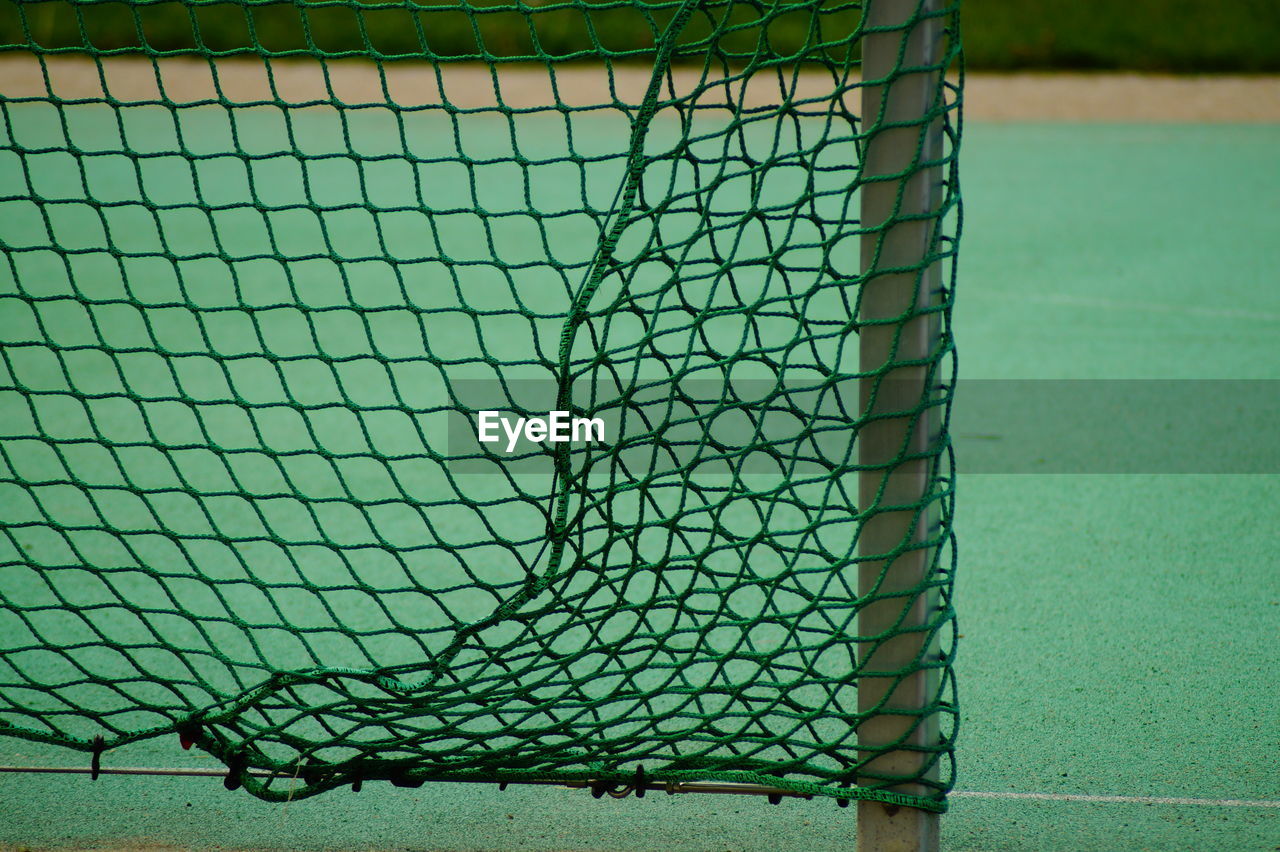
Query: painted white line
{"x": 1128, "y": 800}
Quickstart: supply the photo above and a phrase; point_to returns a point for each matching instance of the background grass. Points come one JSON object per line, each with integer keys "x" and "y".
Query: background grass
{"x": 1186, "y": 36}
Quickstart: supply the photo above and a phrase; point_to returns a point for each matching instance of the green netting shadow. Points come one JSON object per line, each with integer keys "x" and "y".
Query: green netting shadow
{"x": 261, "y": 272}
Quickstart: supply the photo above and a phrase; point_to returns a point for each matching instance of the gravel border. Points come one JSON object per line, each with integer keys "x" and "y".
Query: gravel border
{"x": 988, "y": 97}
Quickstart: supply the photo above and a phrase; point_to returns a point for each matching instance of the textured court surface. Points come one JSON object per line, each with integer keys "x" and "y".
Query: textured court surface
{"x": 1118, "y": 629}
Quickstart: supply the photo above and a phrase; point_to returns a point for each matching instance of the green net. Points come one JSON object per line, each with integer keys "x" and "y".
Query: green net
{"x": 266, "y": 264}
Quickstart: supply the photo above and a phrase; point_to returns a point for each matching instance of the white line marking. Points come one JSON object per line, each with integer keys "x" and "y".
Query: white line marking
{"x": 1130, "y": 800}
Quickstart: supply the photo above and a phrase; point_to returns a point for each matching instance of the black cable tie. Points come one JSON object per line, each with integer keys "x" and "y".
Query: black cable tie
{"x": 236, "y": 763}
{"x": 356, "y": 784}
{"x": 639, "y": 784}
{"x": 95, "y": 763}
{"x": 502, "y": 785}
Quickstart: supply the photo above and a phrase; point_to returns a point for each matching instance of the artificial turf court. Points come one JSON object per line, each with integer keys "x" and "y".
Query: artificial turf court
{"x": 1117, "y": 628}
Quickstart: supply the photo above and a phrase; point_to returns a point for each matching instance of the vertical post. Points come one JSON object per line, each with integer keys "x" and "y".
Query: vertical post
{"x": 901, "y": 86}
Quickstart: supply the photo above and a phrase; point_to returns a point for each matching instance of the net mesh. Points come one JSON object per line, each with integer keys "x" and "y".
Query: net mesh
{"x": 265, "y": 264}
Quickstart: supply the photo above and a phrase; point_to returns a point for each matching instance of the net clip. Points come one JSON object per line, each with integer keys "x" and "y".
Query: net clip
{"x": 407, "y": 781}
{"x": 95, "y": 762}
{"x": 843, "y": 803}
{"x": 620, "y": 791}
{"x": 187, "y": 734}
{"x": 236, "y": 764}
{"x": 313, "y": 771}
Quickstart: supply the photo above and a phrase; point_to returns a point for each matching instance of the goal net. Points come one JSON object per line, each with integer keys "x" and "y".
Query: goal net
{"x": 268, "y": 265}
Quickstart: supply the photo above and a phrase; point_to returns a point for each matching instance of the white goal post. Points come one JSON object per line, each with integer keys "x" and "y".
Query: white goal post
{"x": 901, "y": 76}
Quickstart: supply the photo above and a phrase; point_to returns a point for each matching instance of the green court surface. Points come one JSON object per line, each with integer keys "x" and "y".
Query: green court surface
{"x": 1118, "y": 630}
